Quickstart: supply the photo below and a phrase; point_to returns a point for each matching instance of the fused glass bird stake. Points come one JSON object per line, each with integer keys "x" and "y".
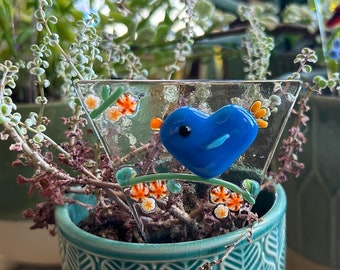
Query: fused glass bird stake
{"x": 208, "y": 144}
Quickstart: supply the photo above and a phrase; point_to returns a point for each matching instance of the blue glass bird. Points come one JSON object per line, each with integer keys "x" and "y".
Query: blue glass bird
{"x": 208, "y": 144}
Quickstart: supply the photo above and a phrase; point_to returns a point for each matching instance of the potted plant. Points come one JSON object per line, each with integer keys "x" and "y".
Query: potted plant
{"x": 107, "y": 178}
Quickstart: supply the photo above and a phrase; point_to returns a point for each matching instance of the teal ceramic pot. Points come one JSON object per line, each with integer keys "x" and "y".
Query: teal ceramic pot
{"x": 81, "y": 250}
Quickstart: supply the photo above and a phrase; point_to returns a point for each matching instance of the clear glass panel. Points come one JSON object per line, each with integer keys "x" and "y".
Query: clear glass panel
{"x": 124, "y": 127}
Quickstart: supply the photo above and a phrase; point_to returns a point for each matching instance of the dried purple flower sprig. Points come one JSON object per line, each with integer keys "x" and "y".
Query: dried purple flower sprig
{"x": 293, "y": 144}
{"x": 50, "y": 180}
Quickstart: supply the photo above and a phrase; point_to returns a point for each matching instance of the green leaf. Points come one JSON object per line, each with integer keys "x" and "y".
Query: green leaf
{"x": 313, "y": 58}
{"x": 16, "y": 118}
{"x": 6, "y": 109}
{"x": 52, "y": 19}
{"x": 204, "y": 10}
{"x": 161, "y": 34}
{"x": 298, "y": 58}
{"x": 332, "y": 65}
{"x": 29, "y": 122}
{"x": 306, "y": 51}
{"x": 37, "y": 71}
{"x": 39, "y": 14}
{"x": 39, "y": 27}
{"x": 13, "y": 69}
{"x": 54, "y": 37}
{"x": 331, "y": 84}
{"x": 320, "y": 82}
{"x": 10, "y": 83}
{"x": 3, "y": 119}
{"x": 46, "y": 83}
{"x": 145, "y": 35}
{"x": 129, "y": 21}
{"x": 7, "y": 91}
{"x": 38, "y": 138}
{"x": 33, "y": 115}
{"x": 317, "y": 78}
{"x": 269, "y": 22}
{"x": 41, "y": 128}
{"x": 307, "y": 69}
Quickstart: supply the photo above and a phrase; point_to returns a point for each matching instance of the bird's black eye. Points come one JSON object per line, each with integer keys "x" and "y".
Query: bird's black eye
{"x": 184, "y": 131}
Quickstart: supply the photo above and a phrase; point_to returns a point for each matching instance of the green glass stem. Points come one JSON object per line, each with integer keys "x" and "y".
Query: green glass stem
{"x": 111, "y": 99}
{"x": 191, "y": 178}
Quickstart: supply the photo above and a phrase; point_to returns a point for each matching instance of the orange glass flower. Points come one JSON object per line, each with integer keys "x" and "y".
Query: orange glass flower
{"x": 234, "y": 201}
{"x": 148, "y": 205}
{"x": 139, "y": 191}
{"x": 219, "y": 194}
{"x": 221, "y": 211}
{"x": 113, "y": 114}
{"x": 127, "y": 104}
{"x": 92, "y": 102}
{"x": 259, "y": 112}
{"x": 158, "y": 189}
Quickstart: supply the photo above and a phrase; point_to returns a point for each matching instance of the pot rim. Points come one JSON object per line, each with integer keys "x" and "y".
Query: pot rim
{"x": 166, "y": 251}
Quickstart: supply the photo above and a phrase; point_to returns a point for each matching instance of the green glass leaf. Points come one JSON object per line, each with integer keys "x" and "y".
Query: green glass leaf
{"x": 105, "y": 92}
{"x": 252, "y": 186}
{"x": 125, "y": 175}
{"x": 173, "y": 186}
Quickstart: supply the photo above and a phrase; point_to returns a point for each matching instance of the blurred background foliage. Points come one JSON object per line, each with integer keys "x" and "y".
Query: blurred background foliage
{"x": 156, "y": 31}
